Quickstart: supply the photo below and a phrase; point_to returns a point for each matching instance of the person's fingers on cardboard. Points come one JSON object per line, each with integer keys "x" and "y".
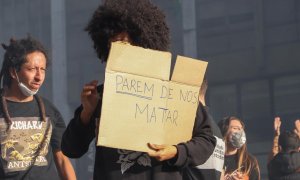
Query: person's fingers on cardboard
{"x": 156, "y": 146}
{"x": 154, "y": 154}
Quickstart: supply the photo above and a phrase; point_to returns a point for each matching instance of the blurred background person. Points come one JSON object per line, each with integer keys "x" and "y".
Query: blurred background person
{"x": 286, "y": 162}
{"x": 238, "y": 164}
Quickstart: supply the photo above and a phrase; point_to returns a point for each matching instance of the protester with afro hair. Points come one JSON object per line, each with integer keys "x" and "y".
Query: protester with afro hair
{"x": 139, "y": 23}
{"x": 142, "y": 23}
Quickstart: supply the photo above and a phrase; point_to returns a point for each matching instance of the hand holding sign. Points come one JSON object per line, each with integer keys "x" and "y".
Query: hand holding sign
{"x": 162, "y": 152}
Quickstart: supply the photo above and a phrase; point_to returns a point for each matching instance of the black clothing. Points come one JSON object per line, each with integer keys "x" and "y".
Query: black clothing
{"x": 231, "y": 165}
{"x": 116, "y": 164}
{"x": 29, "y": 141}
{"x": 212, "y": 168}
{"x": 285, "y": 166}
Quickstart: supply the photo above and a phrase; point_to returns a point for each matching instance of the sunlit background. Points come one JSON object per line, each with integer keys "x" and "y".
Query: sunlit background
{"x": 252, "y": 46}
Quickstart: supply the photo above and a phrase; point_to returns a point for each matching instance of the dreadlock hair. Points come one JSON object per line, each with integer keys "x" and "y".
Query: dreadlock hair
{"x": 245, "y": 162}
{"x": 15, "y": 56}
{"x": 144, "y": 22}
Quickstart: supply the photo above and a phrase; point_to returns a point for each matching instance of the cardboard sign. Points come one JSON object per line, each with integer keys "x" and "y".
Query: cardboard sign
{"x": 141, "y": 105}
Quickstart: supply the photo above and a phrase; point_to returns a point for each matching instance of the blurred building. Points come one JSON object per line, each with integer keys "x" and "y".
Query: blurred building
{"x": 252, "y": 47}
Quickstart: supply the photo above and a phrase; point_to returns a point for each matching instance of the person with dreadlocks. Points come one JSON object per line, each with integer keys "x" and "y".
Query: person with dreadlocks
{"x": 239, "y": 164}
{"x": 30, "y": 126}
{"x": 140, "y": 23}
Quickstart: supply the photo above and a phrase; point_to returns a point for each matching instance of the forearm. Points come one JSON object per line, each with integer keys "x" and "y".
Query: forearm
{"x": 77, "y": 136}
{"x": 275, "y": 148}
{"x": 66, "y": 171}
{"x": 64, "y": 166}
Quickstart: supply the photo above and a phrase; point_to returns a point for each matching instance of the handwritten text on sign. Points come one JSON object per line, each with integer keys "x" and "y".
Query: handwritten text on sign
{"x": 148, "y": 90}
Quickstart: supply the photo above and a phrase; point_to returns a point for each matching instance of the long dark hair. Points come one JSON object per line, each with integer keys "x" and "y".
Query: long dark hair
{"x": 245, "y": 162}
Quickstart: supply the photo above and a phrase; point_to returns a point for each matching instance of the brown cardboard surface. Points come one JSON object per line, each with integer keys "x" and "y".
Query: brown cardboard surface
{"x": 140, "y": 105}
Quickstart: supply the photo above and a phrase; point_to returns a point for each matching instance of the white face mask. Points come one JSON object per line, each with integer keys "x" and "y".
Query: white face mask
{"x": 25, "y": 90}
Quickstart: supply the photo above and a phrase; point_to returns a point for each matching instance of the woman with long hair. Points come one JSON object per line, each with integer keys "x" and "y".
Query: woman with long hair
{"x": 238, "y": 164}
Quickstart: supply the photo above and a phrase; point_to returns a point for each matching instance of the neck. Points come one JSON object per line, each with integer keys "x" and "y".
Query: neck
{"x": 230, "y": 150}
{"x": 13, "y": 93}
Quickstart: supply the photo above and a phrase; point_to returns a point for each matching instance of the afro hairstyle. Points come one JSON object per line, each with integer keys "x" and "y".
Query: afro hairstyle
{"x": 144, "y": 22}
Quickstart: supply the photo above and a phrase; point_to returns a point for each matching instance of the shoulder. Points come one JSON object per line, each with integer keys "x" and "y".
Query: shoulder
{"x": 47, "y": 103}
{"x": 50, "y": 108}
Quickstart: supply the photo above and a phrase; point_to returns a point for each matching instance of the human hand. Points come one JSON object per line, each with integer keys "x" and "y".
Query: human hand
{"x": 277, "y": 124}
{"x": 238, "y": 176}
{"x": 89, "y": 100}
{"x": 297, "y": 127}
{"x": 235, "y": 176}
{"x": 162, "y": 152}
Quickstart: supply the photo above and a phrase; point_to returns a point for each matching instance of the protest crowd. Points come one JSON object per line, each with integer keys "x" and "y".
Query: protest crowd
{"x": 37, "y": 144}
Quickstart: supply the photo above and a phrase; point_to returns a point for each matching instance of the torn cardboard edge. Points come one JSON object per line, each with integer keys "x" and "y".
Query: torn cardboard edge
{"x": 155, "y": 64}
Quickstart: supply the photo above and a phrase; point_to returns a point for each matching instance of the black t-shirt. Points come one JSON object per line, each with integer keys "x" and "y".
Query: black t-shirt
{"x": 231, "y": 166}
{"x": 26, "y": 147}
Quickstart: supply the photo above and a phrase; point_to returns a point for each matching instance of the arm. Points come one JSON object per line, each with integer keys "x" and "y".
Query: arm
{"x": 201, "y": 146}
{"x": 64, "y": 166}
{"x": 222, "y": 175}
{"x": 275, "y": 146}
{"x": 81, "y": 129}
{"x": 78, "y": 136}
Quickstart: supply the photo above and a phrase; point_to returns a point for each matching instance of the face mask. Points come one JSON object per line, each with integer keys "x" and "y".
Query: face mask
{"x": 25, "y": 90}
{"x": 237, "y": 139}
